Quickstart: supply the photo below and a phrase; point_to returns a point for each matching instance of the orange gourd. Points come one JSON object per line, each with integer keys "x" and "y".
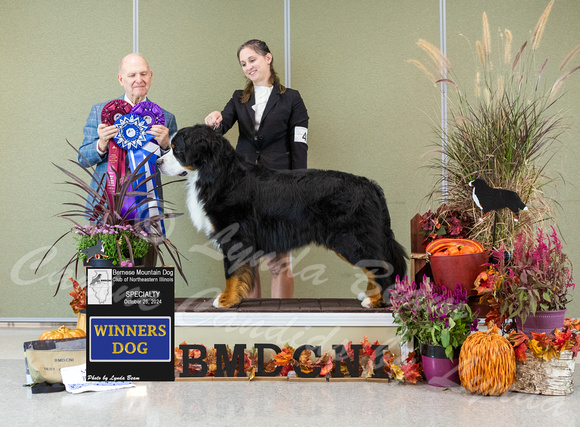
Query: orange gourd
{"x": 487, "y": 363}
{"x": 62, "y": 332}
{"x": 444, "y": 247}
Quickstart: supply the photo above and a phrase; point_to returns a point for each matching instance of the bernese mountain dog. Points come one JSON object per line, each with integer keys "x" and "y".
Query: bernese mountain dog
{"x": 251, "y": 211}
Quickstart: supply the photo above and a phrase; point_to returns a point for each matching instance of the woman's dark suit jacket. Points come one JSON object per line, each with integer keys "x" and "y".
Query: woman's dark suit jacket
{"x": 280, "y": 141}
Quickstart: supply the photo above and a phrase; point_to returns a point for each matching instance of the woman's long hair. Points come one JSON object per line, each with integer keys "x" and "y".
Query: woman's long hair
{"x": 261, "y": 48}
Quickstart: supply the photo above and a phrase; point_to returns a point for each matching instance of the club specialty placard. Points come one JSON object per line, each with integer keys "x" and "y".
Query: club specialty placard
{"x": 130, "y": 324}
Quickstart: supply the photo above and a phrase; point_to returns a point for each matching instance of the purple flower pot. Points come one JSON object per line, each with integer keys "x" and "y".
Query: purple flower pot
{"x": 438, "y": 369}
{"x": 542, "y": 321}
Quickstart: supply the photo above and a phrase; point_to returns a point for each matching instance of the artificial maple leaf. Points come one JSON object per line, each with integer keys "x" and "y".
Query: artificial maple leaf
{"x": 542, "y": 352}
{"x": 79, "y": 295}
{"x": 398, "y": 373}
{"x": 411, "y": 372}
{"x": 483, "y": 282}
{"x": 561, "y": 339}
{"x": 369, "y": 369}
{"x": 284, "y": 357}
{"x": 349, "y": 350}
{"x": 270, "y": 366}
{"x": 410, "y": 357}
{"x": 247, "y": 362}
{"x": 518, "y": 338}
{"x": 211, "y": 362}
{"x": 542, "y": 339}
{"x": 286, "y": 369}
{"x": 305, "y": 363}
{"x": 252, "y": 373}
{"x": 325, "y": 363}
{"x": 576, "y": 346}
{"x": 367, "y": 349}
{"x": 388, "y": 357}
{"x": 520, "y": 351}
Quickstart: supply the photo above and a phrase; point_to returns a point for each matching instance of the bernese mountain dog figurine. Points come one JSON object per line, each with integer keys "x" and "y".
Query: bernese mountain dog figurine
{"x": 251, "y": 211}
{"x": 492, "y": 199}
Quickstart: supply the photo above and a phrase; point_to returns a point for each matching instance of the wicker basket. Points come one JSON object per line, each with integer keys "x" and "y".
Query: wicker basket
{"x": 554, "y": 378}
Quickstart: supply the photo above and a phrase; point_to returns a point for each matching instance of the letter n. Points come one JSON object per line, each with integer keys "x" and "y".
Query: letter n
{"x": 340, "y": 354}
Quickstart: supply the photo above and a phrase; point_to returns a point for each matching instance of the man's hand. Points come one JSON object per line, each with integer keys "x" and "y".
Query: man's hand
{"x": 105, "y": 134}
{"x": 161, "y": 135}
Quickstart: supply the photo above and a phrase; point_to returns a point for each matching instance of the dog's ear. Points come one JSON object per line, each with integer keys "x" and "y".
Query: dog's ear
{"x": 203, "y": 147}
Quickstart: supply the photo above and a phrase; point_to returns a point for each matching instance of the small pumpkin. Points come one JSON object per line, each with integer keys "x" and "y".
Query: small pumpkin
{"x": 487, "y": 363}
{"x": 443, "y": 247}
{"x": 62, "y": 332}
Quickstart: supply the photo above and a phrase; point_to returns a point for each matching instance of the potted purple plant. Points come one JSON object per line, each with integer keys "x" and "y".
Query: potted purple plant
{"x": 533, "y": 284}
{"x": 115, "y": 232}
{"x": 439, "y": 321}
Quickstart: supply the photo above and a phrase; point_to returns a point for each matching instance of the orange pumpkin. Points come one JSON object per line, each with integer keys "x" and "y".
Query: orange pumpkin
{"x": 487, "y": 363}
{"x": 62, "y": 332}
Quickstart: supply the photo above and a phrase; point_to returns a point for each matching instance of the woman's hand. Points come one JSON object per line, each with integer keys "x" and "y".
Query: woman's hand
{"x": 214, "y": 119}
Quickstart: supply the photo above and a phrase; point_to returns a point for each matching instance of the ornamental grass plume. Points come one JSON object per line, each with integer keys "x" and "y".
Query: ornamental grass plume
{"x": 505, "y": 134}
{"x": 441, "y": 318}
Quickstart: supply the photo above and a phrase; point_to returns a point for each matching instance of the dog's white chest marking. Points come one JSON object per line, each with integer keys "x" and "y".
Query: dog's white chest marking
{"x": 195, "y": 206}
{"x": 476, "y": 200}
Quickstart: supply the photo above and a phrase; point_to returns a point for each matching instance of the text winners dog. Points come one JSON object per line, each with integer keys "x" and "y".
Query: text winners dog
{"x": 252, "y": 211}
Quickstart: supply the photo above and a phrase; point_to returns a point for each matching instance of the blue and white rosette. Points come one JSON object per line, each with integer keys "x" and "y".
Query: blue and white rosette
{"x": 133, "y": 137}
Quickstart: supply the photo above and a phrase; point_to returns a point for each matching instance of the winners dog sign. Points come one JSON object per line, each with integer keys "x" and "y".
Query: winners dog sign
{"x": 130, "y": 324}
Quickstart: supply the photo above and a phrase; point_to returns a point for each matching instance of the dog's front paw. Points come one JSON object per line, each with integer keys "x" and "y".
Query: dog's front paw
{"x": 216, "y": 302}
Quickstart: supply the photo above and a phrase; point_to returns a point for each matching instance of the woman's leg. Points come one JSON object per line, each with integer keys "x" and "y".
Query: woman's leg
{"x": 282, "y": 278}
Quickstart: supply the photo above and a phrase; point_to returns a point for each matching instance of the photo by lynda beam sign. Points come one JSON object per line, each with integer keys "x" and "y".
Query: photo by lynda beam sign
{"x": 130, "y": 324}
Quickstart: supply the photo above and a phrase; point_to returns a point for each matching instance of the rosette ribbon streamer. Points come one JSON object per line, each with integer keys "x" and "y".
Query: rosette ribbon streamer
{"x": 134, "y": 138}
{"x": 112, "y": 111}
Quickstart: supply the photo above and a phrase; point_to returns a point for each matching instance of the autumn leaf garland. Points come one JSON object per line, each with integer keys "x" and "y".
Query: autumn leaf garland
{"x": 410, "y": 371}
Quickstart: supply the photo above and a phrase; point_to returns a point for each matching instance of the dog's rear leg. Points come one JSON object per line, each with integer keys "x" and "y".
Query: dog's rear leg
{"x": 373, "y": 296}
{"x": 238, "y": 286}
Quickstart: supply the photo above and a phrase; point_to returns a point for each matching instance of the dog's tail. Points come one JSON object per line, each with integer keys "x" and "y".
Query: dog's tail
{"x": 396, "y": 256}
{"x": 395, "y": 253}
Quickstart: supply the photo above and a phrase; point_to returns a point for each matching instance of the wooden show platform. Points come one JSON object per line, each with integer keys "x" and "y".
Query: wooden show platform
{"x": 296, "y": 321}
{"x": 267, "y": 305}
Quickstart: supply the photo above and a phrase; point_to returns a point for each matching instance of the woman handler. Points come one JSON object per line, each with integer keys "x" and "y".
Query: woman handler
{"x": 273, "y": 127}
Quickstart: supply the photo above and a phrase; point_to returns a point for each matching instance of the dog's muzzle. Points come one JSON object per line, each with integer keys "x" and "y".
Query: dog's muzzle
{"x": 168, "y": 165}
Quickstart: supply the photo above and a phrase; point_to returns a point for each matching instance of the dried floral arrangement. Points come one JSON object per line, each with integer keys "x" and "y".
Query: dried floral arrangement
{"x": 506, "y": 135}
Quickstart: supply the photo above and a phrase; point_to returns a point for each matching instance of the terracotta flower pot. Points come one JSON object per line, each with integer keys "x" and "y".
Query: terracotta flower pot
{"x": 458, "y": 270}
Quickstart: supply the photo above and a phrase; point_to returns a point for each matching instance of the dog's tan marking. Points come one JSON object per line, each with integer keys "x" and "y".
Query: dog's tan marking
{"x": 238, "y": 287}
{"x": 373, "y": 291}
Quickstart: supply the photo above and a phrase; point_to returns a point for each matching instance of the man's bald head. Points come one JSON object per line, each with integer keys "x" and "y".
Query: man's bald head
{"x": 135, "y": 77}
